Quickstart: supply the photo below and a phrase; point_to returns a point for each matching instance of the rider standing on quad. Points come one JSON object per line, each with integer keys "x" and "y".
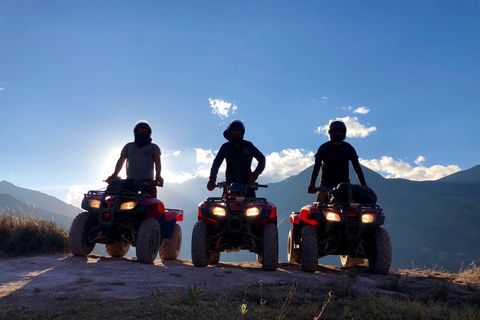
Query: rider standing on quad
{"x": 239, "y": 154}
{"x": 333, "y": 157}
{"x": 141, "y": 155}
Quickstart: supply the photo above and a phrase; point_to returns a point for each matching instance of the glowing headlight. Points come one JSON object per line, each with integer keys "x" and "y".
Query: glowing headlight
{"x": 218, "y": 211}
{"x": 331, "y": 216}
{"x": 252, "y": 212}
{"x": 368, "y": 218}
{"x": 129, "y": 205}
{"x": 94, "y": 203}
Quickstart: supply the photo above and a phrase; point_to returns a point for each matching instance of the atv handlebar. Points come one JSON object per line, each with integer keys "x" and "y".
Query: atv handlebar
{"x": 254, "y": 186}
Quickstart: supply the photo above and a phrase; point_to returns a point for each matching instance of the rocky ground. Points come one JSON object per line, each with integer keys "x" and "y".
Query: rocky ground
{"x": 45, "y": 281}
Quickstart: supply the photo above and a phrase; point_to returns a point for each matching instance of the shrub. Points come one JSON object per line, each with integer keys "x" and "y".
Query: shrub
{"x": 26, "y": 235}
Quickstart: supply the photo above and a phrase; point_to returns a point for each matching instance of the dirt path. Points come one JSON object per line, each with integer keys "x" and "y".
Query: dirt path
{"x": 45, "y": 281}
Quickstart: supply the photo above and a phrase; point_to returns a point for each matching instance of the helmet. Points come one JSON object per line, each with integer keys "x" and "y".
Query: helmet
{"x": 235, "y": 125}
{"x": 142, "y": 132}
{"x": 142, "y": 124}
{"x": 337, "y": 131}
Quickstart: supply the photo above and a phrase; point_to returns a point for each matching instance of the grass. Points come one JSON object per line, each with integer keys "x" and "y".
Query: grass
{"x": 25, "y": 235}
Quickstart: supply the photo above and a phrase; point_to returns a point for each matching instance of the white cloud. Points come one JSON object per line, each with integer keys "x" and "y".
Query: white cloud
{"x": 288, "y": 162}
{"x": 222, "y": 108}
{"x": 361, "y": 110}
{"x": 420, "y": 159}
{"x": 354, "y": 128}
{"x": 204, "y": 156}
{"x": 347, "y": 108}
{"x": 76, "y": 193}
{"x": 401, "y": 169}
{"x": 176, "y": 153}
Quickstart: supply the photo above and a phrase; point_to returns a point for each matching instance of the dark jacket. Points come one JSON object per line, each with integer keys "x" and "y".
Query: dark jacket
{"x": 239, "y": 161}
{"x": 334, "y": 163}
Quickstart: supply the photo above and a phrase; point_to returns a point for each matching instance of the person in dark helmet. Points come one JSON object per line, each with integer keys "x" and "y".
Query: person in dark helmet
{"x": 239, "y": 154}
{"x": 142, "y": 156}
{"x": 333, "y": 157}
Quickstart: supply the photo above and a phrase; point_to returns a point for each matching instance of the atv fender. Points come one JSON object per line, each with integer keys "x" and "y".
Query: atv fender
{"x": 156, "y": 211}
{"x": 307, "y": 215}
{"x": 173, "y": 214}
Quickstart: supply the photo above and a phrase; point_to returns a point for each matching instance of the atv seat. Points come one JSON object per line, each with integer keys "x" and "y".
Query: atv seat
{"x": 128, "y": 186}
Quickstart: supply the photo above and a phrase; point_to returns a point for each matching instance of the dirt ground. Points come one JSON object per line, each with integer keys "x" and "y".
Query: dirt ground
{"x": 43, "y": 282}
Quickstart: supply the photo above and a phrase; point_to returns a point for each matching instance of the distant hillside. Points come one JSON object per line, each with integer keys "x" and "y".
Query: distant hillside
{"x": 11, "y": 205}
{"x": 39, "y": 200}
{"x": 431, "y": 223}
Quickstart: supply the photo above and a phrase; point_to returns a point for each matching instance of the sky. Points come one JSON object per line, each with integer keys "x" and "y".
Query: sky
{"x": 75, "y": 77}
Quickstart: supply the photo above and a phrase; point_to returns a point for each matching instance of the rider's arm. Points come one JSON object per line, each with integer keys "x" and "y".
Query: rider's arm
{"x": 316, "y": 167}
{"x": 358, "y": 171}
{"x": 119, "y": 164}
{"x": 260, "y": 158}
{"x": 217, "y": 162}
{"x": 158, "y": 165}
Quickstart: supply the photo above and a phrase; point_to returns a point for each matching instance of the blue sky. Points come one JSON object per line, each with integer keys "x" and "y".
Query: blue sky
{"x": 75, "y": 76}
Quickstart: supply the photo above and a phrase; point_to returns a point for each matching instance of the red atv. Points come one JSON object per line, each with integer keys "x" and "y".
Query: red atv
{"x": 122, "y": 216}
{"x": 235, "y": 222}
{"x": 351, "y": 230}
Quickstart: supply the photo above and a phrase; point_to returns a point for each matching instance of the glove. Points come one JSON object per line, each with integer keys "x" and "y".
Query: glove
{"x": 311, "y": 188}
{"x": 159, "y": 181}
{"x": 211, "y": 184}
{"x": 253, "y": 177}
{"x": 111, "y": 178}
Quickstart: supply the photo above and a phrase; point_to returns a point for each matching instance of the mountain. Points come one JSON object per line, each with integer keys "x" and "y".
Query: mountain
{"x": 9, "y": 203}
{"x": 39, "y": 200}
{"x": 431, "y": 223}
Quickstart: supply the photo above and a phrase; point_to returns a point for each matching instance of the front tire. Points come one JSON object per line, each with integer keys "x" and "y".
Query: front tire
{"x": 200, "y": 256}
{"x": 118, "y": 249}
{"x": 382, "y": 253}
{"x": 294, "y": 255}
{"x": 309, "y": 249}
{"x": 148, "y": 241}
{"x": 81, "y": 234}
{"x": 170, "y": 249}
{"x": 270, "y": 247}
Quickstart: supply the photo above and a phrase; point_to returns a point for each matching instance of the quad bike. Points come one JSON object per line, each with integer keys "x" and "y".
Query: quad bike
{"x": 351, "y": 230}
{"x": 122, "y": 216}
{"x": 235, "y": 222}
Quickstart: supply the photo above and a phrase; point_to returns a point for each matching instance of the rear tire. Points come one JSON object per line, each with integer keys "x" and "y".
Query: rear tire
{"x": 214, "y": 257}
{"x": 382, "y": 253}
{"x": 309, "y": 249}
{"x": 348, "y": 261}
{"x": 260, "y": 258}
{"x": 200, "y": 256}
{"x": 270, "y": 247}
{"x": 170, "y": 249}
{"x": 148, "y": 241}
{"x": 81, "y": 234}
{"x": 118, "y": 249}
{"x": 294, "y": 255}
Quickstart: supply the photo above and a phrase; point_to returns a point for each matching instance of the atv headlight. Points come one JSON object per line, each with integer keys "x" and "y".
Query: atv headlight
{"x": 252, "y": 212}
{"x": 368, "y": 218}
{"x": 332, "y": 216}
{"x": 94, "y": 203}
{"x": 129, "y": 205}
{"x": 218, "y": 211}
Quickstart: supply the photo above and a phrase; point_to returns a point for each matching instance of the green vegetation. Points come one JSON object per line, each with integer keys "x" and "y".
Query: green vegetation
{"x": 25, "y": 235}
